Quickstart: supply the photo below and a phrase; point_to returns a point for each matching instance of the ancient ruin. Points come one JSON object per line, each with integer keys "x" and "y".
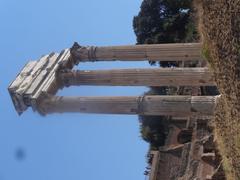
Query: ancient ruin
{"x": 189, "y": 144}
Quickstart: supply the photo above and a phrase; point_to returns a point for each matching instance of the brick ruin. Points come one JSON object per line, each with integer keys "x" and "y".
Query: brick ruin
{"x": 189, "y": 153}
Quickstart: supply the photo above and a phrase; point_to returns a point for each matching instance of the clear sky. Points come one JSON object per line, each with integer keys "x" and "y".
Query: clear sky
{"x": 67, "y": 146}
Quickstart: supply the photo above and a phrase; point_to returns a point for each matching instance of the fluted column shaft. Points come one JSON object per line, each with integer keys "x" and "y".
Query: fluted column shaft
{"x": 142, "y": 105}
{"x": 139, "y": 77}
{"x": 153, "y": 52}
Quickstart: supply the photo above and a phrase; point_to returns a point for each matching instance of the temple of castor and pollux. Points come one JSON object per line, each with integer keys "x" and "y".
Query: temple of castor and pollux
{"x": 180, "y": 158}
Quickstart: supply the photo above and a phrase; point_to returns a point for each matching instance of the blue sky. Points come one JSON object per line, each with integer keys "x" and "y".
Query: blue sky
{"x": 67, "y": 146}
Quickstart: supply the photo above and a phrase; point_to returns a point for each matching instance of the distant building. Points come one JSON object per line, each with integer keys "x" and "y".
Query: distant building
{"x": 197, "y": 158}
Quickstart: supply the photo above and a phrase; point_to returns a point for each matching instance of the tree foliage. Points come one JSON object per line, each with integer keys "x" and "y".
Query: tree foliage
{"x": 153, "y": 130}
{"x": 165, "y": 21}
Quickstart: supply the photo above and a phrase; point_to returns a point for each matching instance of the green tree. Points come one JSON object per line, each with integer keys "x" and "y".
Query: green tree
{"x": 165, "y": 21}
{"x": 154, "y": 129}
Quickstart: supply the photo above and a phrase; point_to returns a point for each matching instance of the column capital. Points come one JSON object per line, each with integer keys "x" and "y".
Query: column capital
{"x": 83, "y": 53}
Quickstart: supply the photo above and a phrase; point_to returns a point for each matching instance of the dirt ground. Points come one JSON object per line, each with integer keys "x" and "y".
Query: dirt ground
{"x": 220, "y": 28}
